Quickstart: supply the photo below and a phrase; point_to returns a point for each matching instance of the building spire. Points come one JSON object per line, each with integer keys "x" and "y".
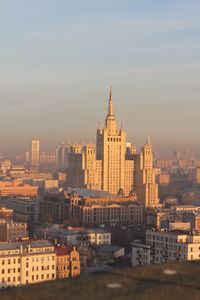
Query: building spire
{"x": 148, "y": 140}
{"x": 110, "y": 106}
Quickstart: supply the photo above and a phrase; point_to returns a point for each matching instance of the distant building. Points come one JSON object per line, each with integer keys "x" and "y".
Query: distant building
{"x": 6, "y": 213}
{"x": 109, "y": 166}
{"x": 145, "y": 184}
{"x": 67, "y": 262}
{"x": 163, "y": 179}
{"x": 35, "y": 153}
{"x": 114, "y": 211}
{"x": 164, "y": 163}
{"x": 12, "y": 231}
{"x": 6, "y": 166}
{"x": 91, "y": 211}
{"x": 25, "y": 209}
{"x": 17, "y": 188}
{"x": 17, "y": 171}
{"x": 62, "y": 157}
{"x": 47, "y": 160}
{"x": 196, "y": 177}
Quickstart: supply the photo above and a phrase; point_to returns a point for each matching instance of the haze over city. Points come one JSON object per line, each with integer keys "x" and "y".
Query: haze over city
{"x": 58, "y": 60}
{"x": 99, "y": 149}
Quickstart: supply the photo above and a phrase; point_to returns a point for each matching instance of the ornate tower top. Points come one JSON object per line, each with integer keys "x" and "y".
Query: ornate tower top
{"x": 110, "y": 119}
{"x": 148, "y": 140}
{"x": 110, "y": 106}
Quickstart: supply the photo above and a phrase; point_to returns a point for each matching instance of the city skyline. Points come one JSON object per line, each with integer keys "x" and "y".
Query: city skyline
{"x": 58, "y": 61}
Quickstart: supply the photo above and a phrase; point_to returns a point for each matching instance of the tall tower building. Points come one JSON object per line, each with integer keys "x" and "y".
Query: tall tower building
{"x": 111, "y": 148}
{"x": 109, "y": 167}
{"x": 35, "y": 153}
{"x": 145, "y": 176}
{"x": 62, "y": 152}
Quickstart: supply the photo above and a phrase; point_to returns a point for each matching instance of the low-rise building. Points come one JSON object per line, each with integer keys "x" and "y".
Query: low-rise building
{"x": 67, "y": 262}
{"x": 12, "y": 231}
{"x": 166, "y": 245}
{"x": 26, "y": 263}
{"x": 173, "y": 245}
{"x": 113, "y": 211}
{"x": 78, "y": 237}
{"x": 17, "y": 188}
{"x": 6, "y": 213}
{"x": 25, "y": 209}
{"x": 141, "y": 254}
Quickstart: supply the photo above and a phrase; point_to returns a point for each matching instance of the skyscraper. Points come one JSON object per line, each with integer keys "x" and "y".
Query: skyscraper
{"x": 111, "y": 147}
{"x": 62, "y": 156}
{"x": 110, "y": 166}
{"x": 35, "y": 153}
{"x": 145, "y": 184}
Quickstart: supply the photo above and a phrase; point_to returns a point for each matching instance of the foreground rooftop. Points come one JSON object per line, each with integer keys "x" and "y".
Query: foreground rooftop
{"x": 169, "y": 281}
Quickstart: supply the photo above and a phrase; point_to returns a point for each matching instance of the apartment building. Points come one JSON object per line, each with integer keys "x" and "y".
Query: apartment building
{"x": 165, "y": 246}
{"x": 26, "y": 262}
{"x": 25, "y": 209}
{"x": 91, "y": 211}
{"x": 113, "y": 211}
{"x": 12, "y": 231}
{"x": 76, "y": 236}
{"x": 67, "y": 262}
{"x": 17, "y": 188}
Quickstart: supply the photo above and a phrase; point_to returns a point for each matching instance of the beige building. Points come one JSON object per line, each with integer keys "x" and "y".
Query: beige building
{"x": 83, "y": 169}
{"x": 35, "y": 153}
{"x": 145, "y": 184}
{"x": 109, "y": 166}
{"x": 12, "y": 231}
{"x": 173, "y": 245}
{"x": 26, "y": 263}
{"x": 67, "y": 262}
{"x": 111, "y": 211}
{"x": 166, "y": 246}
{"x": 163, "y": 179}
{"x": 17, "y": 188}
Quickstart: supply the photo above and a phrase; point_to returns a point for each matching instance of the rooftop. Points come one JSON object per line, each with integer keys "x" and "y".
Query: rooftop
{"x": 32, "y": 243}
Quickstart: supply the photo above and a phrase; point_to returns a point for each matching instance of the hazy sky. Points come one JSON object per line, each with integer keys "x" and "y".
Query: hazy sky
{"x": 58, "y": 59}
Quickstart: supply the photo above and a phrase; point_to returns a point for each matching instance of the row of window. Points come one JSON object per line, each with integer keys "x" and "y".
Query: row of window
{"x": 33, "y": 278}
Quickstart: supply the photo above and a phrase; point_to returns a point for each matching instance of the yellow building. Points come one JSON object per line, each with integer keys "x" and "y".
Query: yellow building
{"x": 67, "y": 262}
{"x": 35, "y": 153}
{"x": 110, "y": 166}
{"x": 26, "y": 262}
{"x": 145, "y": 185}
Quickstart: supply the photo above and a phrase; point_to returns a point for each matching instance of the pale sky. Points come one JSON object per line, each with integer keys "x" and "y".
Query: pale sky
{"x": 59, "y": 58}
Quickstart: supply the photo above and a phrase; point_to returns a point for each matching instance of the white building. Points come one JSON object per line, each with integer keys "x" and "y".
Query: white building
{"x": 141, "y": 254}
{"x": 26, "y": 263}
{"x": 166, "y": 245}
{"x": 77, "y": 236}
